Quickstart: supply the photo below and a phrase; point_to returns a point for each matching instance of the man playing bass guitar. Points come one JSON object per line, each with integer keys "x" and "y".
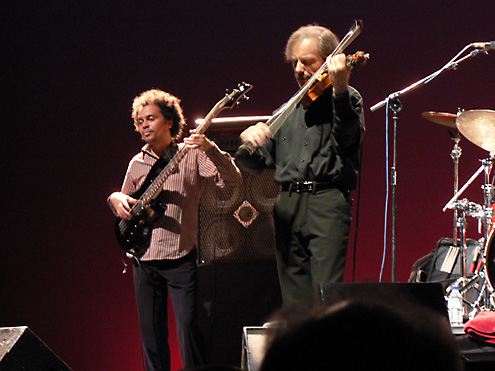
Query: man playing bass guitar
{"x": 168, "y": 264}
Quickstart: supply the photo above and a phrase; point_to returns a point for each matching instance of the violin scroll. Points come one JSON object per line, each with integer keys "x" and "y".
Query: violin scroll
{"x": 357, "y": 58}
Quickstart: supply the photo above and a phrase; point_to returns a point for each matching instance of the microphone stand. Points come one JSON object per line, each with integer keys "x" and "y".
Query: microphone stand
{"x": 392, "y": 102}
{"x": 395, "y": 105}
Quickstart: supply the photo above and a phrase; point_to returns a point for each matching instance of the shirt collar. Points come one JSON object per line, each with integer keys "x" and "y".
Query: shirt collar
{"x": 170, "y": 152}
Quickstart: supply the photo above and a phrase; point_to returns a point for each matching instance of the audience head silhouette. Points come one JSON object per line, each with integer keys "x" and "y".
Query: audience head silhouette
{"x": 358, "y": 335}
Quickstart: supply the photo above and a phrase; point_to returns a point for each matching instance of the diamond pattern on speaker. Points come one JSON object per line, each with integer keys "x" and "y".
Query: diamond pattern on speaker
{"x": 246, "y": 214}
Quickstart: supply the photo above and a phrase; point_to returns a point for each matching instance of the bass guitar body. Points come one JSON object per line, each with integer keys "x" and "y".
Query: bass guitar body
{"x": 134, "y": 235}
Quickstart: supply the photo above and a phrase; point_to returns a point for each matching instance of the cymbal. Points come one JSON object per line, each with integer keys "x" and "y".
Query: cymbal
{"x": 478, "y": 126}
{"x": 446, "y": 119}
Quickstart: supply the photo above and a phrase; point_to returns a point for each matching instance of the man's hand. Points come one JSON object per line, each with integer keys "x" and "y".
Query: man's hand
{"x": 257, "y": 134}
{"x": 199, "y": 141}
{"x": 339, "y": 73}
{"x": 121, "y": 204}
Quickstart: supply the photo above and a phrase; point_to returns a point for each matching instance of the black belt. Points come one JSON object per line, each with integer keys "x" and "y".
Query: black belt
{"x": 306, "y": 186}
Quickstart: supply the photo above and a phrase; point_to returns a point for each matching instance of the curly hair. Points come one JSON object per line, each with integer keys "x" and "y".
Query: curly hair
{"x": 327, "y": 40}
{"x": 169, "y": 107}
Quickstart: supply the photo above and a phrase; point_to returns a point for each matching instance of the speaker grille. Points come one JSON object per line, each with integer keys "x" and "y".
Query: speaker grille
{"x": 236, "y": 223}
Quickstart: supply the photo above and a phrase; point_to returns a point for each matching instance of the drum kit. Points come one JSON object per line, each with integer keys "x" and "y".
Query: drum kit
{"x": 476, "y": 282}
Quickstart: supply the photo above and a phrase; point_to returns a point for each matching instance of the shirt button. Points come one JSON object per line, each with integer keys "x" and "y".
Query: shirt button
{"x": 305, "y": 144}
{"x": 302, "y": 160}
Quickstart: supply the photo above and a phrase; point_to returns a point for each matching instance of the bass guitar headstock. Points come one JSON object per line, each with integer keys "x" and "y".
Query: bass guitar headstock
{"x": 233, "y": 96}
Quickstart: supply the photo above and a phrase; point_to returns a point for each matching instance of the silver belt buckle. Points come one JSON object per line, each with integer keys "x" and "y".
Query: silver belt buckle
{"x": 309, "y": 184}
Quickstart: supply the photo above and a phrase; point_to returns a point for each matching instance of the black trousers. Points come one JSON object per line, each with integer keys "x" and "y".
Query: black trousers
{"x": 312, "y": 232}
{"x": 153, "y": 282}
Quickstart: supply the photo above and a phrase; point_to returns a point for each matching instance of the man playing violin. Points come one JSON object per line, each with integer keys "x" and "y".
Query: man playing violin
{"x": 168, "y": 266}
{"x": 315, "y": 154}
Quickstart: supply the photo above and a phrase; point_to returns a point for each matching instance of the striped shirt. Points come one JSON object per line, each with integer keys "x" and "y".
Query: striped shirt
{"x": 174, "y": 234}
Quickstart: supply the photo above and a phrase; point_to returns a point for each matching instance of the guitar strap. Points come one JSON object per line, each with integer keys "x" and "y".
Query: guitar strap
{"x": 171, "y": 151}
{"x": 157, "y": 205}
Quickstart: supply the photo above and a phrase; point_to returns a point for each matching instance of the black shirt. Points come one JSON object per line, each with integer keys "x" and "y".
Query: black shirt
{"x": 320, "y": 143}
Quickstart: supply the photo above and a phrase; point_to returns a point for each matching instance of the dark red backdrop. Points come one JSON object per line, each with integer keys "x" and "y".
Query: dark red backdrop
{"x": 72, "y": 70}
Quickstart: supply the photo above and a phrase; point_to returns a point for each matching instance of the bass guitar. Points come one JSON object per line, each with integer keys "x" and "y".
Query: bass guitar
{"x": 134, "y": 235}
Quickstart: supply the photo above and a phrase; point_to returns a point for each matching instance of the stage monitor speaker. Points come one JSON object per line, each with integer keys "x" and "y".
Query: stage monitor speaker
{"x": 236, "y": 223}
{"x": 21, "y": 349}
{"x": 429, "y": 295}
{"x": 253, "y": 347}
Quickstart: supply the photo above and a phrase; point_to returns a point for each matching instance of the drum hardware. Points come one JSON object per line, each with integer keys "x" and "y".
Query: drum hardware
{"x": 449, "y": 120}
{"x": 477, "y": 280}
{"x": 461, "y": 207}
{"x": 456, "y": 155}
{"x": 467, "y": 285}
{"x": 476, "y": 287}
{"x": 484, "y": 299}
{"x": 478, "y": 126}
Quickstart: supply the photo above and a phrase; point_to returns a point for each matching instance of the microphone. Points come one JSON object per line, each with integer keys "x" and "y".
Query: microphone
{"x": 484, "y": 45}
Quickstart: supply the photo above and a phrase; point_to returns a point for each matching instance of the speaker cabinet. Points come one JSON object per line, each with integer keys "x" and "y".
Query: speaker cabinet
{"x": 237, "y": 276}
{"x": 232, "y": 296}
{"x": 253, "y": 347}
{"x": 236, "y": 223}
{"x": 429, "y": 295}
{"x": 21, "y": 349}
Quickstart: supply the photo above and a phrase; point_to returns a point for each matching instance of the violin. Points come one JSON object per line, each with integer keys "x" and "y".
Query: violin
{"x": 323, "y": 82}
